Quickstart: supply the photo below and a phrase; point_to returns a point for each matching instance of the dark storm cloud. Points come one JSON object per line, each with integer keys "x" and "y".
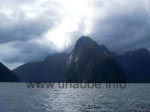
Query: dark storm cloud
{"x": 124, "y": 29}
{"x": 20, "y": 21}
{"x": 28, "y": 51}
{"x": 22, "y": 31}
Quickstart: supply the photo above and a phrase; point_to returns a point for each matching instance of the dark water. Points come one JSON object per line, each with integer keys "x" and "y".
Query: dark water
{"x": 18, "y": 98}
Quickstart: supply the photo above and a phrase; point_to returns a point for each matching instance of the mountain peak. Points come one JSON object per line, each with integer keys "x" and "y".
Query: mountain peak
{"x": 85, "y": 38}
{"x": 89, "y": 62}
{"x": 85, "y": 41}
{"x": 87, "y": 44}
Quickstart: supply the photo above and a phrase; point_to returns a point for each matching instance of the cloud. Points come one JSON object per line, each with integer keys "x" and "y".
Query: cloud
{"x": 122, "y": 25}
{"x": 32, "y": 29}
{"x": 22, "y": 21}
{"x": 23, "y": 26}
{"x": 19, "y": 52}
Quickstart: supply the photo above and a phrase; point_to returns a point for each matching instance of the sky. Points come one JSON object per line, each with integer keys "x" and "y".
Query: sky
{"x": 30, "y": 30}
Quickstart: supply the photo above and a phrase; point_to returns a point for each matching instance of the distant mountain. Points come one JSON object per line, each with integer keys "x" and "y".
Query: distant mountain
{"x": 6, "y": 75}
{"x": 49, "y": 70}
{"x": 136, "y": 65}
{"x": 90, "y": 62}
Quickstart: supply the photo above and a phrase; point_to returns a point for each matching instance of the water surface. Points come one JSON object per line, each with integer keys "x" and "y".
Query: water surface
{"x": 16, "y": 97}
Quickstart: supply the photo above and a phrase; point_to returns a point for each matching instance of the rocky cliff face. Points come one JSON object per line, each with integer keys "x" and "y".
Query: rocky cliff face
{"x": 90, "y": 62}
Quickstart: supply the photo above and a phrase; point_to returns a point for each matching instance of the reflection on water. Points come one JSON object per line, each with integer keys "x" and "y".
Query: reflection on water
{"x": 18, "y": 98}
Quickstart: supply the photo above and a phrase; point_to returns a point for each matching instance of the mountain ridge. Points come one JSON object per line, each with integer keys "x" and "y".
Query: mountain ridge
{"x": 50, "y": 69}
{"x": 98, "y": 60}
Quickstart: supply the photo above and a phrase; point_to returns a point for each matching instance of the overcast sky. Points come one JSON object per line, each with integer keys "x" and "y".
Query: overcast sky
{"x": 32, "y": 29}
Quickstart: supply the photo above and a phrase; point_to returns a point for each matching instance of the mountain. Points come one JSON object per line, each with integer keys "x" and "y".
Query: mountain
{"x": 6, "y": 75}
{"x": 135, "y": 65}
{"x": 49, "y": 70}
{"x": 90, "y": 62}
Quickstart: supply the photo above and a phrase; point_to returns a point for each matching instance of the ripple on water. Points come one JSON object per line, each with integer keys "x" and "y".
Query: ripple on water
{"x": 17, "y": 98}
